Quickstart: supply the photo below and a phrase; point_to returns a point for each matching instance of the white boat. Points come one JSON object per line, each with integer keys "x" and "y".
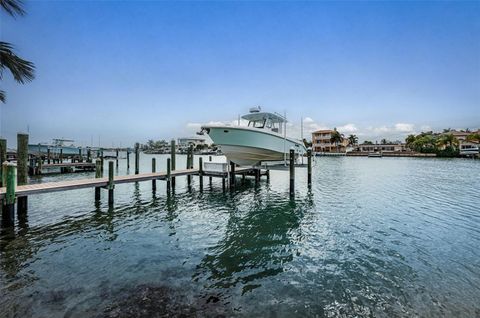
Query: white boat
{"x": 375, "y": 155}
{"x": 263, "y": 139}
{"x": 469, "y": 149}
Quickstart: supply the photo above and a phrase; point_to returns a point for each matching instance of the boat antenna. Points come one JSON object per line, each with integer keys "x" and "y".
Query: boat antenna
{"x": 301, "y": 128}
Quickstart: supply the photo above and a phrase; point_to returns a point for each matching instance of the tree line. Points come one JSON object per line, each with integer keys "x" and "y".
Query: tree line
{"x": 443, "y": 144}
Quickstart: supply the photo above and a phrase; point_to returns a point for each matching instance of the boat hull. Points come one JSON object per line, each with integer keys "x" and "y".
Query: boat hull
{"x": 250, "y": 146}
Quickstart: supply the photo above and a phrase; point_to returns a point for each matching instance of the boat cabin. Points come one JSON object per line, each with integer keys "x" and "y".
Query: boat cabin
{"x": 265, "y": 120}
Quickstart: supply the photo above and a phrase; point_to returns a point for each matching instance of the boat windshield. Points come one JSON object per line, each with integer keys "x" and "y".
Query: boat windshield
{"x": 257, "y": 123}
{"x": 268, "y": 121}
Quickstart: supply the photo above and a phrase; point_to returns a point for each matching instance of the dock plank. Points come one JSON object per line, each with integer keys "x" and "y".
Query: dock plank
{"x": 29, "y": 189}
{"x": 47, "y": 187}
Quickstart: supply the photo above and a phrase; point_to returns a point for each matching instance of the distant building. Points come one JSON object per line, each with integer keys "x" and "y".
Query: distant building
{"x": 460, "y": 135}
{"x": 184, "y": 143}
{"x": 465, "y": 147}
{"x": 321, "y": 142}
{"x": 381, "y": 147}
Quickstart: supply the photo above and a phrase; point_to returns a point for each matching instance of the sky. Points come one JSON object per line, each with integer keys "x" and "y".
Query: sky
{"x": 111, "y": 73}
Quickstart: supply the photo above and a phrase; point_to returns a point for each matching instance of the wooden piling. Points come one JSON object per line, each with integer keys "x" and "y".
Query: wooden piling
{"x": 8, "y": 205}
{"x": 154, "y": 168}
{"x": 128, "y": 158}
{"x": 3, "y": 157}
{"x": 210, "y": 178}
{"x": 102, "y": 161}
{"x": 32, "y": 166}
{"x": 22, "y": 169}
{"x": 232, "y": 174}
{"x": 61, "y": 155}
{"x": 80, "y": 157}
{"x": 169, "y": 177}
{"x": 200, "y": 172}
{"x": 89, "y": 155}
{"x": 98, "y": 174}
{"x": 292, "y": 172}
{"x": 117, "y": 158}
{"x": 39, "y": 166}
{"x": 189, "y": 158}
{"x": 173, "y": 151}
{"x": 137, "y": 158}
{"x": 48, "y": 155}
{"x": 309, "y": 168}
{"x": 111, "y": 184}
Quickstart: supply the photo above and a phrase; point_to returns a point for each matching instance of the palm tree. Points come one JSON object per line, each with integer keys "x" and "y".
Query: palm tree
{"x": 22, "y": 70}
{"x": 352, "y": 140}
{"x": 448, "y": 140}
{"x": 336, "y": 138}
{"x": 475, "y": 137}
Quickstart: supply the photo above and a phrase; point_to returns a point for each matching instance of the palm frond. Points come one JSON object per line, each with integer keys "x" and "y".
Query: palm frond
{"x": 13, "y": 7}
{"x": 22, "y": 70}
{"x": 2, "y": 97}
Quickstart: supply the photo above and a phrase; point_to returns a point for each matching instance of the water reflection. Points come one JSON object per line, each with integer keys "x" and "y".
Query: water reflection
{"x": 257, "y": 243}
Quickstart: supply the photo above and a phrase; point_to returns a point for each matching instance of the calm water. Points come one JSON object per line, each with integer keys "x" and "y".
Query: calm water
{"x": 374, "y": 238}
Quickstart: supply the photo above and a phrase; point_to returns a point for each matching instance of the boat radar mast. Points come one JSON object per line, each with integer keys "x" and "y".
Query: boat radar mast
{"x": 255, "y": 109}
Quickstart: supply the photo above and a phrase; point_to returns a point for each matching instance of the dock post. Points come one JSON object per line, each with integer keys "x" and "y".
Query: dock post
{"x": 89, "y": 155}
{"x": 210, "y": 178}
{"x": 10, "y": 181}
{"x": 232, "y": 174}
{"x": 39, "y": 166}
{"x": 292, "y": 172}
{"x": 257, "y": 176}
{"x": 137, "y": 158}
{"x": 169, "y": 175}
{"x": 189, "y": 164}
{"x": 32, "y": 167}
{"x": 22, "y": 169}
{"x": 154, "y": 168}
{"x": 61, "y": 155}
{"x": 223, "y": 184}
{"x": 117, "y": 158}
{"x": 128, "y": 158}
{"x": 101, "y": 157}
{"x": 268, "y": 175}
{"x": 200, "y": 172}
{"x": 80, "y": 158}
{"x": 98, "y": 174}
{"x": 3, "y": 157}
{"x": 111, "y": 184}
{"x": 309, "y": 168}
{"x": 172, "y": 156}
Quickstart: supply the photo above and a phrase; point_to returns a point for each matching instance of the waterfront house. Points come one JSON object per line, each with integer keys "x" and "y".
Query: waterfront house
{"x": 465, "y": 147}
{"x": 393, "y": 147}
{"x": 321, "y": 142}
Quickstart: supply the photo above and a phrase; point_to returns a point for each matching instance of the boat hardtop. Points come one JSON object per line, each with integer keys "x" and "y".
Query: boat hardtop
{"x": 265, "y": 120}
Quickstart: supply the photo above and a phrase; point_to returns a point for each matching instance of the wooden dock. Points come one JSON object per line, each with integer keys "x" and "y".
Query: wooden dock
{"x": 30, "y": 189}
{"x": 14, "y": 187}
